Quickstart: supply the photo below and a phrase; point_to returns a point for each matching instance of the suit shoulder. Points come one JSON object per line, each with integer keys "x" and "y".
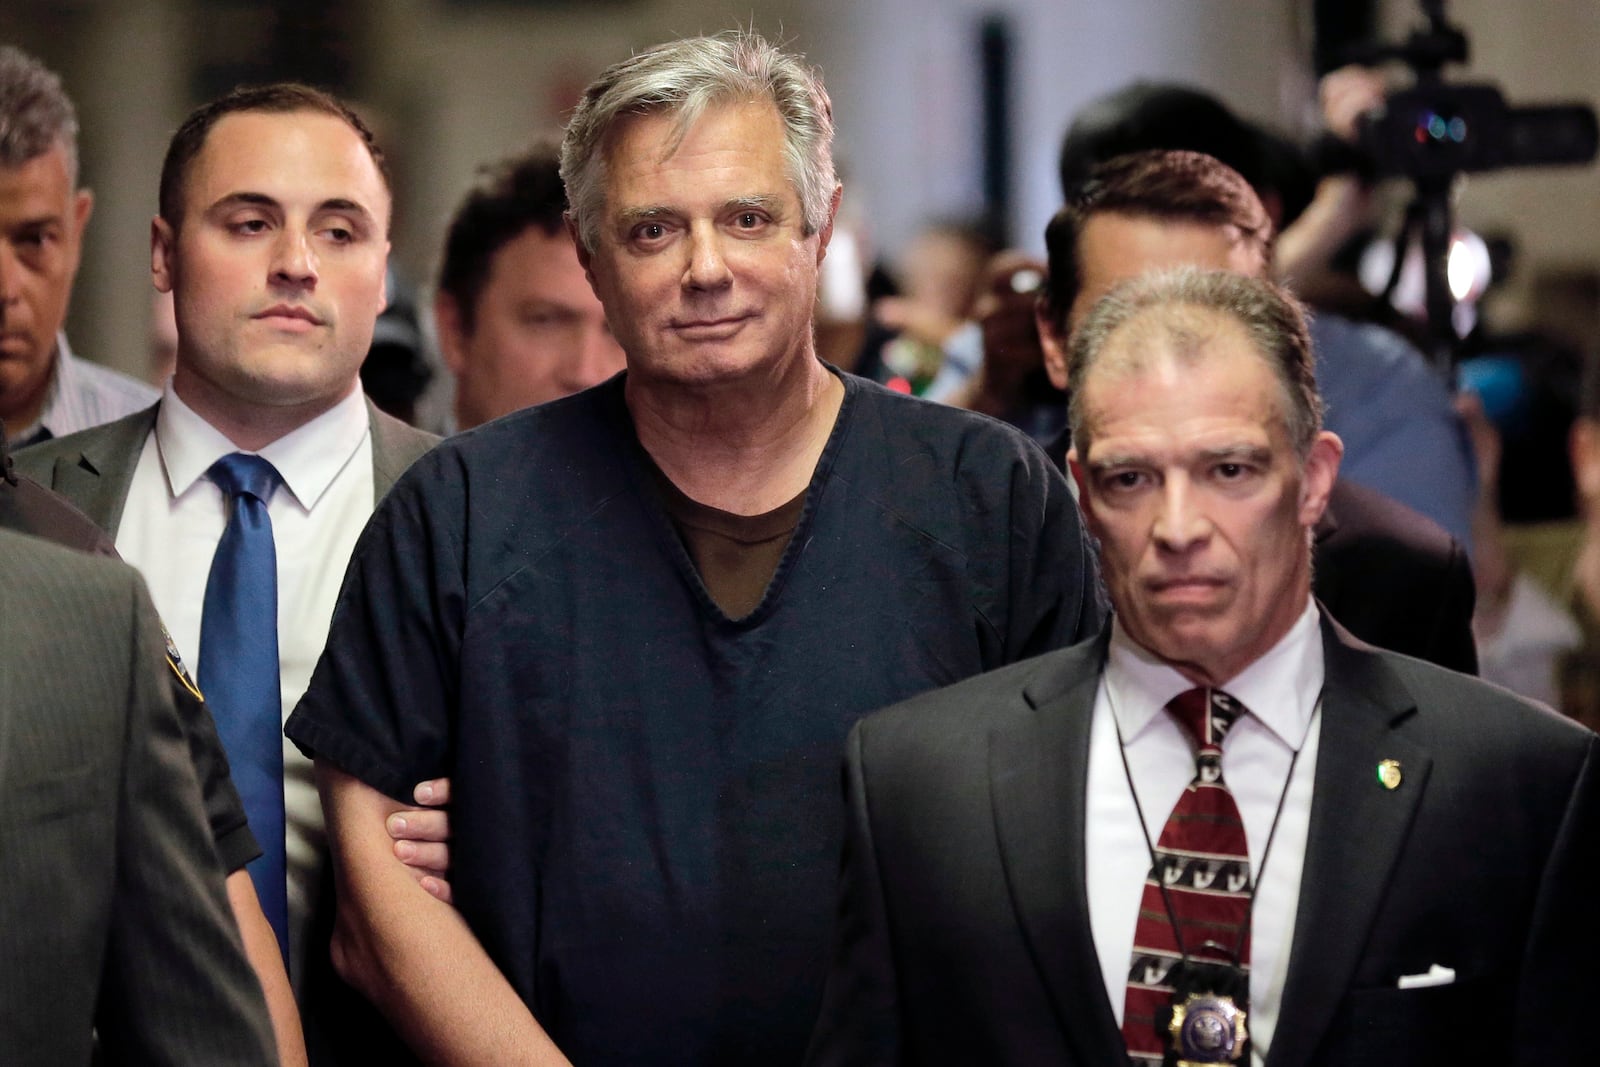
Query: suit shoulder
{"x": 967, "y": 710}
{"x": 1473, "y": 711}
{"x": 35, "y": 567}
{"x": 403, "y": 441}
{"x": 119, "y": 436}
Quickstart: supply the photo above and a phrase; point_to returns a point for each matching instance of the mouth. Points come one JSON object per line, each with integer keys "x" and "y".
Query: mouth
{"x": 292, "y": 317}
{"x": 1192, "y": 589}
{"x": 720, "y": 328}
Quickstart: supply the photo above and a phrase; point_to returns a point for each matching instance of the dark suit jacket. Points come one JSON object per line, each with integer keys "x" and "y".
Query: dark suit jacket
{"x": 1394, "y": 577}
{"x": 964, "y": 933}
{"x": 93, "y": 470}
{"x": 113, "y": 913}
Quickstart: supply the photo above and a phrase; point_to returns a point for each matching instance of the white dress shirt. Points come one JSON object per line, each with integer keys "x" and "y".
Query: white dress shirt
{"x": 170, "y": 527}
{"x": 1283, "y": 691}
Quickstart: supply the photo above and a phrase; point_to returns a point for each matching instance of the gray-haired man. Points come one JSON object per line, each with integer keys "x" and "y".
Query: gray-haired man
{"x": 45, "y": 391}
{"x": 634, "y": 625}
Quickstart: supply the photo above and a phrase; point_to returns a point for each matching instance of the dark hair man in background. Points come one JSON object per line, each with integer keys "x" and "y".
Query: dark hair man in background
{"x": 241, "y": 493}
{"x": 1224, "y": 831}
{"x": 635, "y": 625}
{"x": 1394, "y": 413}
{"x": 1394, "y": 577}
{"x": 518, "y": 324}
{"x": 45, "y": 390}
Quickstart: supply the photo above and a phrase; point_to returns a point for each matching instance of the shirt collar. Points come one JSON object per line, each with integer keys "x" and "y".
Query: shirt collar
{"x": 1281, "y": 688}
{"x": 307, "y": 458}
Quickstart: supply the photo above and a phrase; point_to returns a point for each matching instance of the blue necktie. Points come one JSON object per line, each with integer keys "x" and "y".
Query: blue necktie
{"x": 239, "y": 667}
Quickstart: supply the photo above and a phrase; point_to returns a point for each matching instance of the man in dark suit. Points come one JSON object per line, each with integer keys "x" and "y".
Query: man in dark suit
{"x": 1395, "y": 862}
{"x": 113, "y": 916}
{"x": 272, "y": 237}
{"x": 1391, "y": 575}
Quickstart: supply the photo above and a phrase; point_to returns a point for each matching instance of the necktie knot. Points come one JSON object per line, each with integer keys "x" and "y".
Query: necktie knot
{"x": 1206, "y": 714}
{"x": 239, "y": 472}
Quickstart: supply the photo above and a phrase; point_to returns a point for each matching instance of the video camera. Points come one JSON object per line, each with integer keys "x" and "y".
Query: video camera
{"x": 1433, "y": 131}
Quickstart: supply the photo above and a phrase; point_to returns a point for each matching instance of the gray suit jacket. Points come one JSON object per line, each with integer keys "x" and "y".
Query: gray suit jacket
{"x": 964, "y": 931}
{"x": 93, "y": 468}
{"x": 113, "y": 913}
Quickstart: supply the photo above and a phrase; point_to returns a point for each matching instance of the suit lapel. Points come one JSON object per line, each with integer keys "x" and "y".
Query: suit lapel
{"x": 1357, "y": 832}
{"x": 96, "y": 477}
{"x": 1038, "y": 766}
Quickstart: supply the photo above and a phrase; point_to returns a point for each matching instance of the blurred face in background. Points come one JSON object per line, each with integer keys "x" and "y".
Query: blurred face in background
{"x": 537, "y": 333}
{"x": 41, "y": 236}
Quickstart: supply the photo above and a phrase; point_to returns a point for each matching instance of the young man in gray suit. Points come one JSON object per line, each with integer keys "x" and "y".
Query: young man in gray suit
{"x": 273, "y": 239}
{"x": 113, "y": 916}
{"x": 1224, "y": 831}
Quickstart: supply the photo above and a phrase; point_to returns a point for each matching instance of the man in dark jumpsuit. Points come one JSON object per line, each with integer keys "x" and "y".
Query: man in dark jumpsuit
{"x": 634, "y": 625}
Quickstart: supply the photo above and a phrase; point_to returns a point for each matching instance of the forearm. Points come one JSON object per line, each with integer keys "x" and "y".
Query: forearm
{"x": 412, "y": 955}
{"x": 261, "y": 948}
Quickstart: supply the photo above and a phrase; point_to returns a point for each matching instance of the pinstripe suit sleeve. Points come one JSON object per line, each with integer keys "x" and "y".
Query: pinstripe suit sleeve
{"x": 176, "y": 987}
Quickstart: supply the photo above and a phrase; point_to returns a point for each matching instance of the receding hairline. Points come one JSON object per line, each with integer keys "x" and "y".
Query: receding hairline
{"x": 188, "y": 170}
{"x": 1180, "y": 333}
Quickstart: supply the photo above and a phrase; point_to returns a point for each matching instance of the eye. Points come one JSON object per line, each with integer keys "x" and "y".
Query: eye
{"x": 649, "y": 232}
{"x": 248, "y": 226}
{"x": 1124, "y": 481}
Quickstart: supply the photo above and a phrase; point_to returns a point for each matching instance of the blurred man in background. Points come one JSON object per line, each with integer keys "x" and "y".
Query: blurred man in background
{"x": 45, "y": 390}
{"x": 518, "y": 324}
{"x": 1392, "y": 575}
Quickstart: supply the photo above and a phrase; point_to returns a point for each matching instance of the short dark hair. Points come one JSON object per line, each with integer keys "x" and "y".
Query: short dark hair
{"x": 277, "y": 98}
{"x": 1169, "y": 186}
{"x": 1273, "y": 320}
{"x": 35, "y": 112}
{"x": 511, "y": 196}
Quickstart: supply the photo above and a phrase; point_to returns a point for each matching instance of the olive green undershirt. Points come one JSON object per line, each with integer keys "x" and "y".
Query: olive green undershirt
{"x": 736, "y": 555}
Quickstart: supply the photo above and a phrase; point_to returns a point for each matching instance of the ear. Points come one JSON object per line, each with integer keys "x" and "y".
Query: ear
{"x": 825, "y": 234}
{"x": 1583, "y": 445}
{"x": 585, "y": 257}
{"x": 1054, "y": 345}
{"x": 1085, "y": 499}
{"x": 1321, "y": 471}
{"x": 163, "y": 253}
{"x": 82, "y": 208}
{"x": 448, "y": 326}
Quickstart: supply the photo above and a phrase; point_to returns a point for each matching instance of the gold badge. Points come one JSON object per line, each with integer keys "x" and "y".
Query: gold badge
{"x": 1389, "y": 774}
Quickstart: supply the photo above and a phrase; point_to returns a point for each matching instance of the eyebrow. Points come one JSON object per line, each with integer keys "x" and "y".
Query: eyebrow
{"x": 763, "y": 201}
{"x": 337, "y": 204}
{"x": 1241, "y": 453}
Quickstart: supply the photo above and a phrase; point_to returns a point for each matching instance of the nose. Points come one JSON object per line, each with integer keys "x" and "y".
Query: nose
{"x": 294, "y": 263}
{"x": 707, "y": 268}
{"x": 1181, "y": 523}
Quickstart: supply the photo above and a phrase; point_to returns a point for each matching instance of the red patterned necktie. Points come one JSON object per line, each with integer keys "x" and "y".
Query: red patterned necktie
{"x": 1200, "y": 883}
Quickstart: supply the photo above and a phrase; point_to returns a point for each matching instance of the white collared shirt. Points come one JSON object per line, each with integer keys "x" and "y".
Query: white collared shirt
{"x": 1283, "y": 691}
{"x": 170, "y": 527}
